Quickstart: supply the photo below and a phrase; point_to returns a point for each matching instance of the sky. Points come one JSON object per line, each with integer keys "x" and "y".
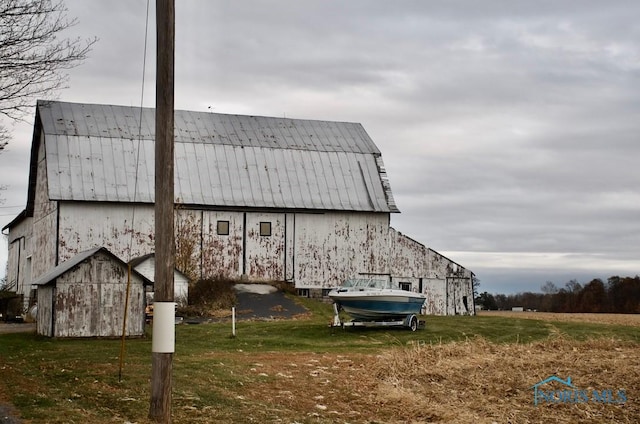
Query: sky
{"x": 510, "y": 130}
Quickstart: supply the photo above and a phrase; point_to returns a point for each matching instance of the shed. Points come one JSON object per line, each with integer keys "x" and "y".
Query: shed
{"x": 85, "y": 297}
{"x": 146, "y": 265}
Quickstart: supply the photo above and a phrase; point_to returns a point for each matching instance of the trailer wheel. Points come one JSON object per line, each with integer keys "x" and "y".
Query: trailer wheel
{"x": 413, "y": 323}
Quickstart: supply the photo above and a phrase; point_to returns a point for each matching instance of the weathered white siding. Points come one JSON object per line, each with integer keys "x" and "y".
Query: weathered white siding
{"x": 180, "y": 282}
{"x": 188, "y": 239}
{"x": 222, "y": 254}
{"x": 408, "y": 258}
{"x": 20, "y": 260}
{"x": 435, "y": 290}
{"x": 45, "y": 318}
{"x": 88, "y": 301}
{"x": 44, "y": 221}
{"x": 457, "y": 295}
{"x": 313, "y": 250}
{"x": 460, "y": 296}
{"x": 13, "y": 263}
{"x": 126, "y": 230}
{"x": 333, "y": 246}
{"x": 264, "y": 253}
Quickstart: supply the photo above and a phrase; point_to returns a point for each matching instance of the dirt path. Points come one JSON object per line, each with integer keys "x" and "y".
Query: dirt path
{"x": 17, "y": 328}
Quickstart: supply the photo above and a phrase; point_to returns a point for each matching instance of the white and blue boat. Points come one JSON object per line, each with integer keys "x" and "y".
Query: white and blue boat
{"x": 368, "y": 299}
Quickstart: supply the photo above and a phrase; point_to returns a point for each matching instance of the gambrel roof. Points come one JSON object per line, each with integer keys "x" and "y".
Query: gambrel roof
{"x": 106, "y": 153}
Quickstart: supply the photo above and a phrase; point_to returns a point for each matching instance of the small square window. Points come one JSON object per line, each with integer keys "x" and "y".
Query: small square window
{"x": 405, "y": 286}
{"x": 265, "y": 228}
{"x": 223, "y": 228}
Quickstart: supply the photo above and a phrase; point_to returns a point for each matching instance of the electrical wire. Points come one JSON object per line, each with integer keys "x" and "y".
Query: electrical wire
{"x": 135, "y": 193}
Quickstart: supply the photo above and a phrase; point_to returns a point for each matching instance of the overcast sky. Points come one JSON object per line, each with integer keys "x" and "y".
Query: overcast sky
{"x": 510, "y": 129}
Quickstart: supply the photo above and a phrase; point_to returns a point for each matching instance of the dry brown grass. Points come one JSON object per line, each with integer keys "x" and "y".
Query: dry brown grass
{"x": 476, "y": 381}
{"x": 616, "y": 319}
{"x": 466, "y": 382}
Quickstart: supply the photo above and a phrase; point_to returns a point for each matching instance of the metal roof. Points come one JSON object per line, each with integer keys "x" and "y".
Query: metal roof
{"x": 106, "y": 153}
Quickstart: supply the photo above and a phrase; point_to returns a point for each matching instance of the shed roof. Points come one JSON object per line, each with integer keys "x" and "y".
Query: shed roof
{"x": 65, "y": 266}
{"x": 136, "y": 262}
{"x": 106, "y": 153}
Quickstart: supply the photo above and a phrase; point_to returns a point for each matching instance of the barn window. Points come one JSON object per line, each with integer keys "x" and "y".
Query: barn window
{"x": 223, "y": 228}
{"x": 405, "y": 286}
{"x": 265, "y": 228}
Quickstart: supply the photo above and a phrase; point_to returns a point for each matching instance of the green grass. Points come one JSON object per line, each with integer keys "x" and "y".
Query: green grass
{"x": 58, "y": 380}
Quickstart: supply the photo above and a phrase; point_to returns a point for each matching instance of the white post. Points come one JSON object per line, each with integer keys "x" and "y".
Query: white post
{"x": 336, "y": 316}
{"x": 233, "y": 321}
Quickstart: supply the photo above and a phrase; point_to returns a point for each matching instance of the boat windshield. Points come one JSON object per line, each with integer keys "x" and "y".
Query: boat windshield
{"x": 367, "y": 283}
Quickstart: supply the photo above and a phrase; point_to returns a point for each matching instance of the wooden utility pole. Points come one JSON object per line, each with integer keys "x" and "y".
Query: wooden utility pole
{"x": 164, "y": 312}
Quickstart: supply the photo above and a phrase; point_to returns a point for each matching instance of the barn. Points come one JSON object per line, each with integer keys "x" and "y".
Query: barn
{"x": 257, "y": 198}
{"x": 85, "y": 297}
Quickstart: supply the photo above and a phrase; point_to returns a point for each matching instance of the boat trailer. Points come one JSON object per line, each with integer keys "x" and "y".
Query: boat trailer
{"x": 410, "y": 321}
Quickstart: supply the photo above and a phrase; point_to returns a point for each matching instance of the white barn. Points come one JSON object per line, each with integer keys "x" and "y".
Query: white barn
{"x": 257, "y": 198}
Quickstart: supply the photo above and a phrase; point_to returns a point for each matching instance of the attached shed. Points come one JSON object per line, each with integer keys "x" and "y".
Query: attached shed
{"x": 146, "y": 265}
{"x": 85, "y": 297}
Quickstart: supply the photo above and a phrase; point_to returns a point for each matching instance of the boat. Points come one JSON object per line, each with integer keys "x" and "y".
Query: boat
{"x": 368, "y": 299}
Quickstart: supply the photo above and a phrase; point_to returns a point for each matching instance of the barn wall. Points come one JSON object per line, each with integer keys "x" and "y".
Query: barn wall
{"x": 435, "y": 291}
{"x": 458, "y": 284}
{"x": 188, "y": 238}
{"x": 316, "y": 250}
{"x": 289, "y": 246}
{"x": 19, "y": 268}
{"x": 333, "y": 246}
{"x": 44, "y": 319}
{"x": 44, "y": 220}
{"x": 460, "y": 296}
{"x": 90, "y": 300}
{"x": 222, "y": 254}
{"x": 414, "y": 282}
{"x": 180, "y": 284}
{"x": 408, "y": 257}
{"x": 264, "y": 254}
{"x": 16, "y": 250}
{"x": 86, "y": 225}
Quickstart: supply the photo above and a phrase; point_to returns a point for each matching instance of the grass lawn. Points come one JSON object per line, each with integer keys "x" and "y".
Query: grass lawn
{"x": 457, "y": 369}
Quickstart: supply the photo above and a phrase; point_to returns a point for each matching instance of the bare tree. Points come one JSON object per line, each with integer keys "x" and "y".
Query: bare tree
{"x": 475, "y": 283}
{"x": 34, "y": 56}
{"x": 549, "y": 288}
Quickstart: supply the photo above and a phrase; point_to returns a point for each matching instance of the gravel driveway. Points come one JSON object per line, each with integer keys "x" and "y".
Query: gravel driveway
{"x": 262, "y": 301}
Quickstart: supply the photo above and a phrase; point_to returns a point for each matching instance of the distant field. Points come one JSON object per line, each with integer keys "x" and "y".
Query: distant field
{"x": 615, "y": 319}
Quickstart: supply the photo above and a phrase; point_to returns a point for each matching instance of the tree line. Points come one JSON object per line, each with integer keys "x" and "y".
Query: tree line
{"x": 617, "y": 295}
